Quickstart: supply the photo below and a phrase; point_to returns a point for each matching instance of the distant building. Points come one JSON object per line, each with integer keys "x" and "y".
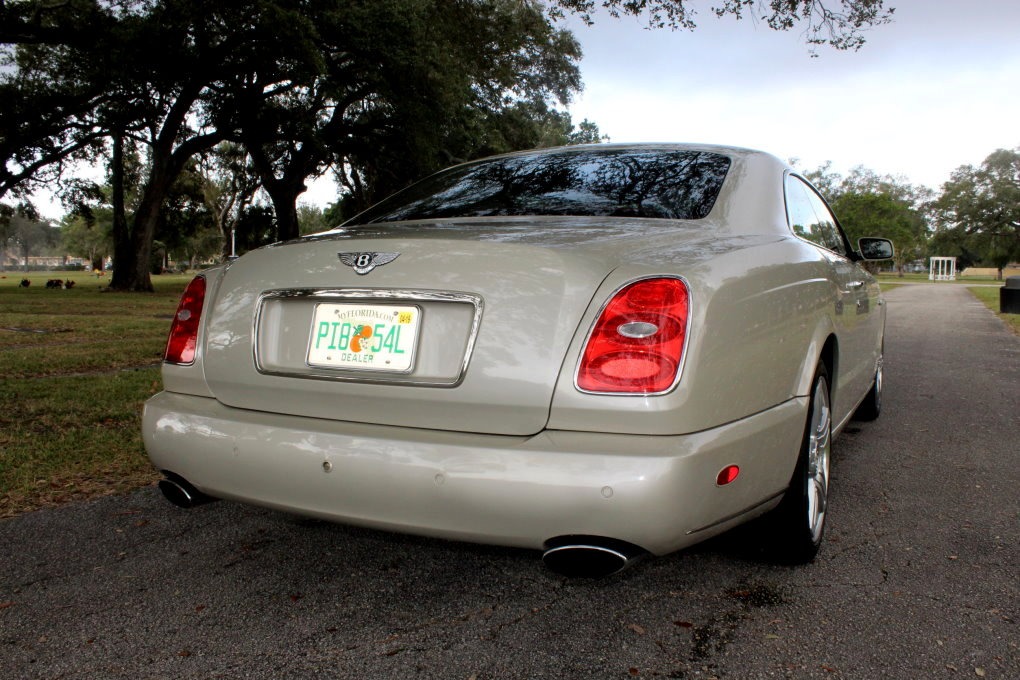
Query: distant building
{"x": 42, "y": 262}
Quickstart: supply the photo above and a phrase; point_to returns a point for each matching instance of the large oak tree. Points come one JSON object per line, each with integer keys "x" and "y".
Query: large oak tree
{"x": 378, "y": 90}
{"x": 979, "y": 208}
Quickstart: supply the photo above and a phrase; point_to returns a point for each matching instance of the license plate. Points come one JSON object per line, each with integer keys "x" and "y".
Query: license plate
{"x": 367, "y": 337}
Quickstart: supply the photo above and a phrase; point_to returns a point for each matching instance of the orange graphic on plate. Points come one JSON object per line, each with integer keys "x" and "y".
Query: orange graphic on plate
{"x": 363, "y": 333}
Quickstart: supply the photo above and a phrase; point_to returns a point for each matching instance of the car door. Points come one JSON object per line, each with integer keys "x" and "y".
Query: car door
{"x": 856, "y": 295}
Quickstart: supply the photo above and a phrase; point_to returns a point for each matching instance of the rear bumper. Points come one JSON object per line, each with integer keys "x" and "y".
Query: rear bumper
{"x": 657, "y": 492}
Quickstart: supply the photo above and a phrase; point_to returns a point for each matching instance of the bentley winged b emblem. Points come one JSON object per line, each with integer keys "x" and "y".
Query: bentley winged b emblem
{"x": 363, "y": 263}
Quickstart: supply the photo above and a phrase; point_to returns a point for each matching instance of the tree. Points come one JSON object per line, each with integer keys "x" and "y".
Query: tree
{"x": 311, "y": 219}
{"x": 956, "y": 243}
{"x": 187, "y": 229}
{"x": 231, "y": 185}
{"x": 882, "y": 214}
{"x": 983, "y": 206}
{"x": 52, "y": 98}
{"x": 90, "y": 239}
{"x": 825, "y": 179}
{"x": 23, "y": 229}
{"x": 523, "y": 125}
{"x": 77, "y": 90}
{"x": 869, "y": 204}
{"x": 291, "y": 79}
{"x": 400, "y": 88}
{"x": 6, "y": 233}
{"x": 821, "y": 23}
{"x": 379, "y": 90}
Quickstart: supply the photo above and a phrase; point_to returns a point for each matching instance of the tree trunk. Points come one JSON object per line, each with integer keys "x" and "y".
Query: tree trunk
{"x": 144, "y": 231}
{"x": 285, "y": 205}
{"x": 167, "y": 163}
{"x": 123, "y": 250}
{"x": 283, "y": 192}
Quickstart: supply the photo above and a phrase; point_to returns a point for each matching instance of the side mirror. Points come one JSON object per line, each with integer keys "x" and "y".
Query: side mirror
{"x": 875, "y": 248}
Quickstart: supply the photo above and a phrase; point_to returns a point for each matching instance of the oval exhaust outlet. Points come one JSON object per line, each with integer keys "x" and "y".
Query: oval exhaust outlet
{"x": 178, "y": 491}
{"x": 589, "y": 556}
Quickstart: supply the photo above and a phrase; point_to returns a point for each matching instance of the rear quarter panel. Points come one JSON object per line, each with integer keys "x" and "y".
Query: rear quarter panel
{"x": 190, "y": 379}
{"x": 759, "y": 315}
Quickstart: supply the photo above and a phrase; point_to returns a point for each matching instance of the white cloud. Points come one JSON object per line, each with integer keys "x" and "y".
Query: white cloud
{"x": 938, "y": 88}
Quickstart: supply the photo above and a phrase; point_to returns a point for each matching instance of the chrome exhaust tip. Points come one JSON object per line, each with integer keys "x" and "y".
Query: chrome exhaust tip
{"x": 180, "y": 492}
{"x": 589, "y": 556}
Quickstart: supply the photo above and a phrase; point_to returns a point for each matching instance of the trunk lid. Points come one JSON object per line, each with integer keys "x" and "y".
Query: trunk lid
{"x": 495, "y": 309}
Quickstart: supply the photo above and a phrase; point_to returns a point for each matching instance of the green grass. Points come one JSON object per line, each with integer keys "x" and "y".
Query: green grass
{"x": 990, "y": 296}
{"x": 923, "y": 278}
{"x": 75, "y": 367}
{"x": 888, "y": 281}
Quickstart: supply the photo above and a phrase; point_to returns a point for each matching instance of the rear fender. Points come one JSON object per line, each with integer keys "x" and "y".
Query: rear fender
{"x": 823, "y": 347}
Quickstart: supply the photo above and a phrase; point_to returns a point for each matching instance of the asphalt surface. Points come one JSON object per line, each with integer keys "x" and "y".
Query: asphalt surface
{"x": 918, "y": 577}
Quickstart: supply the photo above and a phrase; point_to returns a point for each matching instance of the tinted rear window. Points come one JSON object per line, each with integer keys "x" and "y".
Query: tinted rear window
{"x": 595, "y": 182}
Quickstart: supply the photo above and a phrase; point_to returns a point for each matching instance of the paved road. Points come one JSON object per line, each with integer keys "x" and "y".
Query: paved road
{"x": 918, "y": 579}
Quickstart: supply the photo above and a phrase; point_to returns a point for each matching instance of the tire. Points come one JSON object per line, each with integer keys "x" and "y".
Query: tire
{"x": 871, "y": 407}
{"x": 798, "y": 523}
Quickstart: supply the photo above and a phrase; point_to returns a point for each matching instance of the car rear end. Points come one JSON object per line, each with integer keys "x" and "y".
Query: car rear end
{"x": 514, "y": 381}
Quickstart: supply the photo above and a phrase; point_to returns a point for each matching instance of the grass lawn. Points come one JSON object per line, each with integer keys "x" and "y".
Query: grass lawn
{"x": 990, "y": 296}
{"x": 75, "y": 367}
{"x": 923, "y": 278}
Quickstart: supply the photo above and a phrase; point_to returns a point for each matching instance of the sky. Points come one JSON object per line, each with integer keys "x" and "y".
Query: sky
{"x": 936, "y": 89}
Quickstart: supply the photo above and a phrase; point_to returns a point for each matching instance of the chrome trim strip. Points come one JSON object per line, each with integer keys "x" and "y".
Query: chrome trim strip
{"x": 393, "y": 295}
{"x": 598, "y": 315}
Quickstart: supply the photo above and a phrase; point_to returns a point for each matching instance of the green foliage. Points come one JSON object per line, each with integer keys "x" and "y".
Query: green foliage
{"x": 90, "y": 240}
{"x": 869, "y": 204}
{"x": 976, "y": 216}
{"x": 22, "y": 231}
{"x": 839, "y": 24}
{"x": 255, "y": 228}
{"x": 880, "y": 213}
{"x": 380, "y": 91}
{"x": 405, "y": 87}
{"x": 187, "y": 227}
{"x": 230, "y": 187}
{"x": 311, "y": 219}
{"x": 979, "y": 209}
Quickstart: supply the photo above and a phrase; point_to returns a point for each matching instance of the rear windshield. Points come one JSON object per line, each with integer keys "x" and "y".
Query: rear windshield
{"x": 595, "y": 182}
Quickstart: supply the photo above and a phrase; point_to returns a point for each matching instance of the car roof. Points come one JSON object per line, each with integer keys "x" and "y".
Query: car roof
{"x": 726, "y": 150}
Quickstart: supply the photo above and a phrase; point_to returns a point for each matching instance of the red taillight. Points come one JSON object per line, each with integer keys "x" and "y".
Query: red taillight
{"x": 637, "y": 344}
{"x": 180, "y": 347}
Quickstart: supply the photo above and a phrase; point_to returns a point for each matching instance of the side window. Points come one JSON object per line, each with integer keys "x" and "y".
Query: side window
{"x": 799, "y": 211}
{"x": 810, "y": 218}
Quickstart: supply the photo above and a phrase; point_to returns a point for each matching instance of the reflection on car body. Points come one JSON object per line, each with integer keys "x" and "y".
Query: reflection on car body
{"x": 617, "y": 350}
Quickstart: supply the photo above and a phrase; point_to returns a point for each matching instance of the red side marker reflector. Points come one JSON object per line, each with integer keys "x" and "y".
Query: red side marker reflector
{"x": 727, "y": 475}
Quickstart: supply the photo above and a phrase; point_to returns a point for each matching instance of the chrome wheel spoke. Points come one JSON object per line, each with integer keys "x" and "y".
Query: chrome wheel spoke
{"x": 819, "y": 446}
{"x": 878, "y": 382}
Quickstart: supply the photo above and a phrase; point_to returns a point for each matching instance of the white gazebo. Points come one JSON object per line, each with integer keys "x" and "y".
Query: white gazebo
{"x": 942, "y": 269}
